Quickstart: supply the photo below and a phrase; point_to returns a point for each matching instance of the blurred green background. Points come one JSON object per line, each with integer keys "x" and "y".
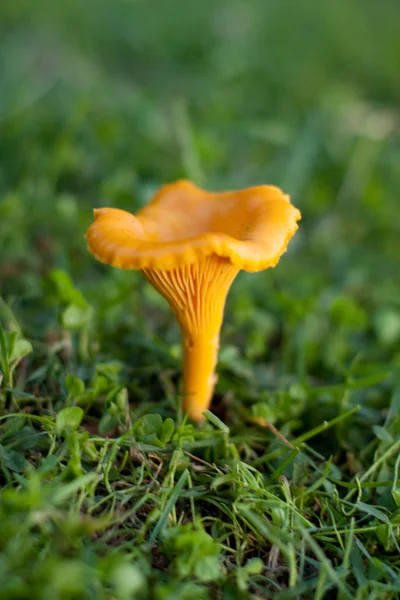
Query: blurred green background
{"x": 100, "y": 104}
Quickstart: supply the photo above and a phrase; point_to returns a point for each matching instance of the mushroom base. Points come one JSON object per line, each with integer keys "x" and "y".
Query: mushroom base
{"x": 200, "y": 355}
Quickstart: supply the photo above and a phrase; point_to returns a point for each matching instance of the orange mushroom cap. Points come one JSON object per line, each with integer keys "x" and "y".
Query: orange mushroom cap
{"x": 183, "y": 223}
{"x": 190, "y": 244}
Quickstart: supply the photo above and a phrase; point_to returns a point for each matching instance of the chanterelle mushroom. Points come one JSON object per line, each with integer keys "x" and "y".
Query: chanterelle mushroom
{"x": 190, "y": 244}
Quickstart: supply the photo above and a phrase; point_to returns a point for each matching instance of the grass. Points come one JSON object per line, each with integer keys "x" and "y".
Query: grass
{"x": 107, "y": 492}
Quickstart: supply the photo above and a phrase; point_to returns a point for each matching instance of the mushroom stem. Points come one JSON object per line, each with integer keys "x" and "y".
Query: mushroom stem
{"x": 200, "y": 354}
{"x": 197, "y": 294}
